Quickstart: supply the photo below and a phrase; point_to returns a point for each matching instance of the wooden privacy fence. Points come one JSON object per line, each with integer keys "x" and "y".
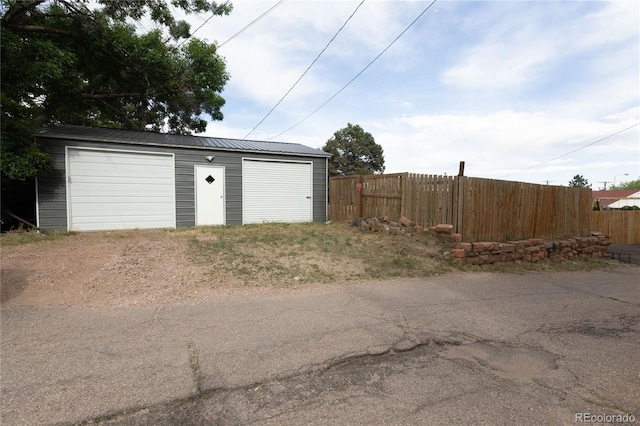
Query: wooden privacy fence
{"x": 479, "y": 209}
{"x": 622, "y": 225}
{"x": 497, "y": 210}
{"x": 426, "y": 199}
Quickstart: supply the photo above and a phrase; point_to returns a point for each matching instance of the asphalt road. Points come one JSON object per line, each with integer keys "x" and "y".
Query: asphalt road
{"x": 534, "y": 348}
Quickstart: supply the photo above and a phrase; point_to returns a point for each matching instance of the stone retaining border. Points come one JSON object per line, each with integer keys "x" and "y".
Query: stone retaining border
{"x": 531, "y": 250}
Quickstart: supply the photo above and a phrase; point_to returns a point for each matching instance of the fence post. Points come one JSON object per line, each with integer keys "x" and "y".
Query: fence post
{"x": 359, "y": 189}
{"x": 458, "y": 204}
{"x": 404, "y": 181}
{"x": 458, "y": 184}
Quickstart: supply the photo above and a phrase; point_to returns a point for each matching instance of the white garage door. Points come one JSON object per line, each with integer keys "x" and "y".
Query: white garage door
{"x": 120, "y": 190}
{"x": 275, "y": 191}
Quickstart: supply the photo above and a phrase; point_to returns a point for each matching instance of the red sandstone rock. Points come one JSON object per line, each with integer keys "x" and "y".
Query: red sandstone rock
{"x": 405, "y": 221}
{"x": 444, "y": 229}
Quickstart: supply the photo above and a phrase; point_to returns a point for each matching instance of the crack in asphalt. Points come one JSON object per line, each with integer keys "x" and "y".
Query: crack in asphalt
{"x": 340, "y": 363}
{"x": 590, "y": 293}
{"x": 408, "y": 343}
{"x": 437, "y": 346}
{"x": 194, "y": 363}
{"x": 601, "y": 328}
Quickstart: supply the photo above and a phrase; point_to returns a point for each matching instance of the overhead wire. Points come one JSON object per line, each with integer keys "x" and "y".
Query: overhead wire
{"x": 236, "y": 34}
{"x": 196, "y": 30}
{"x": 305, "y": 72}
{"x": 357, "y": 75}
{"x": 571, "y": 152}
{"x": 271, "y": 9}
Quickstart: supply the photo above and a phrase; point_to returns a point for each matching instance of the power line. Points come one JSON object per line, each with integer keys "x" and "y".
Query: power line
{"x": 571, "y": 152}
{"x": 272, "y": 8}
{"x": 357, "y": 75}
{"x": 196, "y": 30}
{"x": 236, "y": 34}
{"x": 305, "y": 72}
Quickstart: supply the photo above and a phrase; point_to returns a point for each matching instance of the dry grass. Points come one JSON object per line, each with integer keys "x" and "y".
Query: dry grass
{"x": 285, "y": 254}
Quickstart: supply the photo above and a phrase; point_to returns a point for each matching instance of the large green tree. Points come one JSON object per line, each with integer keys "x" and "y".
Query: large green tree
{"x": 95, "y": 63}
{"x": 354, "y": 151}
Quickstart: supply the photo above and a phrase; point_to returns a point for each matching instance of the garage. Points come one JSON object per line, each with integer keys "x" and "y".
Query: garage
{"x": 119, "y": 190}
{"x": 276, "y": 191}
{"x": 112, "y": 179}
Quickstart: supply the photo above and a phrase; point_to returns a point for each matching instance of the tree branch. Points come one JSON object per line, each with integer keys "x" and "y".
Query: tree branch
{"x": 18, "y": 9}
{"x": 39, "y": 29}
{"x": 78, "y": 9}
{"x": 110, "y": 95}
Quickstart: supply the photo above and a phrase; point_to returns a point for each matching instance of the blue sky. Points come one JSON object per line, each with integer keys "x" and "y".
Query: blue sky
{"x": 501, "y": 85}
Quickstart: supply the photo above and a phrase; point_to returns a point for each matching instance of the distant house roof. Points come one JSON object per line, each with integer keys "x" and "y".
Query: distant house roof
{"x": 618, "y": 198}
{"x": 99, "y": 134}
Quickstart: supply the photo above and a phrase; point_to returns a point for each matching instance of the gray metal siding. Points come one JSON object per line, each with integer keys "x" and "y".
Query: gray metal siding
{"x": 52, "y": 188}
{"x": 52, "y": 192}
{"x": 320, "y": 189}
{"x": 186, "y": 159}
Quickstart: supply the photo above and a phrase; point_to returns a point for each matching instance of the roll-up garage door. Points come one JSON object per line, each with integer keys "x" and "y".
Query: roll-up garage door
{"x": 120, "y": 190}
{"x": 274, "y": 191}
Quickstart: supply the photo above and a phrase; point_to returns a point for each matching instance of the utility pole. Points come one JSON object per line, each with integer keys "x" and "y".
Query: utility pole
{"x": 605, "y": 185}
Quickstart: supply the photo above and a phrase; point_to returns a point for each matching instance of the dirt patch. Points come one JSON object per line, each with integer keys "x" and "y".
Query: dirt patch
{"x": 101, "y": 269}
{"x": 121, "y": 269}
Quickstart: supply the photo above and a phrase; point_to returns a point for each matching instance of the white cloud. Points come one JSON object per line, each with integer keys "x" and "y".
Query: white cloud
{"x": 499, "y": 65}
{"x": 629, "y": 116}
{"x": 267, "y": 59}
{"x": 514, "y": 51}
{"x": 264, "y": 74}
{"x": 615, "y": 22}
{"x": 501, "y": 49}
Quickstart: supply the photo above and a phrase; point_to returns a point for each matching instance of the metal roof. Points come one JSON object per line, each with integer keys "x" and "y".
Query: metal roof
{"x": 99, "y": 134}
